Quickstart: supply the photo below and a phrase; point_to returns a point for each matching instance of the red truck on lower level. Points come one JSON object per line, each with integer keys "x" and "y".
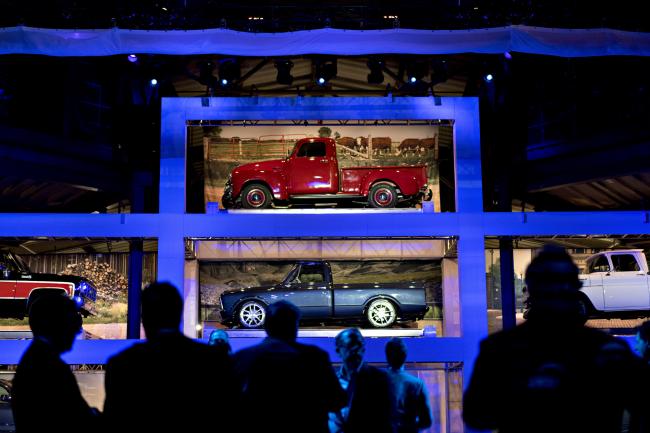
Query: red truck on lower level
{"x": 311, "y": 174}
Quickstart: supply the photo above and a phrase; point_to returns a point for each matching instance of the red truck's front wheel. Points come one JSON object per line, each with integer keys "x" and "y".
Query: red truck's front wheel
{"x": 256, "y": 196}
{"x": 382, "y": 195}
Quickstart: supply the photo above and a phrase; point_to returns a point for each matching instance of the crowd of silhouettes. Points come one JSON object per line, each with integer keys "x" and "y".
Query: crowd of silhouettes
{"x": 550, "y": 374}
{"x": 171, "y": 383}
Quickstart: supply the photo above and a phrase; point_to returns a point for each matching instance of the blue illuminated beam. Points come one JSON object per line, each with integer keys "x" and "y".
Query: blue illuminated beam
{"x": 497, "y": 40}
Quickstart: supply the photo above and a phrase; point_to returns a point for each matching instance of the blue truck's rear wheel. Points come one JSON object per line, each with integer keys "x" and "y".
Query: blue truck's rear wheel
{"x": 381, "y": 313}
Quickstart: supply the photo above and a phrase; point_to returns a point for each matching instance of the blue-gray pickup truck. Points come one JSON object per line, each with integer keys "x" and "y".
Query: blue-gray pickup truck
{"x": 309, "y": 286}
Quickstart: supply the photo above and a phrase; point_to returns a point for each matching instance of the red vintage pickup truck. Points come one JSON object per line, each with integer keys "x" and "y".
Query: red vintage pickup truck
{"x": 311, "y": 174}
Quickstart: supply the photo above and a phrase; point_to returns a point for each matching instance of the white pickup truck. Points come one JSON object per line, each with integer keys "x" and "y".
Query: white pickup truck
{"x": 616, "y": 281}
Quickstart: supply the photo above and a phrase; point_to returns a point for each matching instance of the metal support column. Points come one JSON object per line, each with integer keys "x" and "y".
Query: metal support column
{"x": 135, "y": 288}
{"x": 507, "y": 265}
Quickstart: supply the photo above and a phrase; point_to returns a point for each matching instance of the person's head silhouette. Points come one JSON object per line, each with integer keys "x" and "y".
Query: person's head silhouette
{"x": 218, "y": 336}
{"x": 351, "y": 347}
{"x": 553, "y": 285}
{"x": 642, "y": 340}
{"x": 396, "y": 353}
{"x": 282, "y": 320}
{"x": 162, "y": 309}
{"x": 55, "y": 318}
{"x": 219, "y": 339}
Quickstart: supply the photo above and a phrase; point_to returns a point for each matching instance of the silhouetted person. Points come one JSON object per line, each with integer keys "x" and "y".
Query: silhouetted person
{"x": 642, "y": 341}
{"x": 169, "y": 383}
{"x": 370, "y": 405}
{"x": 640, "y": 418}
{"x": 220, "y": 341}
{"x": 45, "y": 394}
{"x": 290, "y": 387}
{"x": 551, "y": 373}
{"x": 412, "y": 411}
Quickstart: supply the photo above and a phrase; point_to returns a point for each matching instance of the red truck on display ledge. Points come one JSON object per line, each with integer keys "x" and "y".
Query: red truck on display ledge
{"x": 311, "y": 174}
{"x": 19, "y": 287}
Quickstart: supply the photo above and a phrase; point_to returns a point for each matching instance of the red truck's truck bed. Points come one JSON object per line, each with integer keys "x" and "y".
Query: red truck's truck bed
{"x": 409, "y": 179}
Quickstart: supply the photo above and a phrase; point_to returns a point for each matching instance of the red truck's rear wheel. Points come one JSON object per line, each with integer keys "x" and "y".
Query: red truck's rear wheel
{"x": 382, "y": 195}
{"x": 256, "y": 196}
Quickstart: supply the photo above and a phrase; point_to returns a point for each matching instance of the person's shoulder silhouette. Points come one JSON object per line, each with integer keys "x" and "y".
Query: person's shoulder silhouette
{"x": 45, "y": 394}
{"x": 144, "y": 390}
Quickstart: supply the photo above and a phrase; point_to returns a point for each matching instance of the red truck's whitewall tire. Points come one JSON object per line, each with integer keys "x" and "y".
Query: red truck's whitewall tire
{"x": 382, "y": 195}
{"x": 256, "y": 196}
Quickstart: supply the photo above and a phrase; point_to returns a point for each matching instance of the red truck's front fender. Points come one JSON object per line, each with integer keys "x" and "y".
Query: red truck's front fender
{"x": 274, "y": 181}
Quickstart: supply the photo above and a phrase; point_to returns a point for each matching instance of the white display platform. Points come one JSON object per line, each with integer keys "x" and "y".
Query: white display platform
{"x": 428, "y": 331}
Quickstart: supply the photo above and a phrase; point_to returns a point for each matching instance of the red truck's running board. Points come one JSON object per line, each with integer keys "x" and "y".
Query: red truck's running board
{"x": 326, "y": 196}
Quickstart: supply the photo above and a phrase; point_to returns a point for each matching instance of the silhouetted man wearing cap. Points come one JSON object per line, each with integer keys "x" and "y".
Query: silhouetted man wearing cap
{"x": 551, "y": 373}
{"x": 45, "y": 394}
{"x": 170, "y": 383}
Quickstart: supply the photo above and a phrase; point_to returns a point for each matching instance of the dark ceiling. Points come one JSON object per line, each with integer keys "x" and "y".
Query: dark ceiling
{"x": 295, "y": 15}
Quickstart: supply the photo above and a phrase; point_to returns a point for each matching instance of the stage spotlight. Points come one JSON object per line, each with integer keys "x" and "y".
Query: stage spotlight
{"x": 284, "y": 71}
{"x": 154, "y": 82}
{"x": 438, "y": 71}
{"x": 488, "y": 78}
{"x": 229, "y": 72}
{"x": 326, "y": 69}
{"x": 376, "y": 75}
{"x": 132, "y": 58}
{"x": 416, "y": 70}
